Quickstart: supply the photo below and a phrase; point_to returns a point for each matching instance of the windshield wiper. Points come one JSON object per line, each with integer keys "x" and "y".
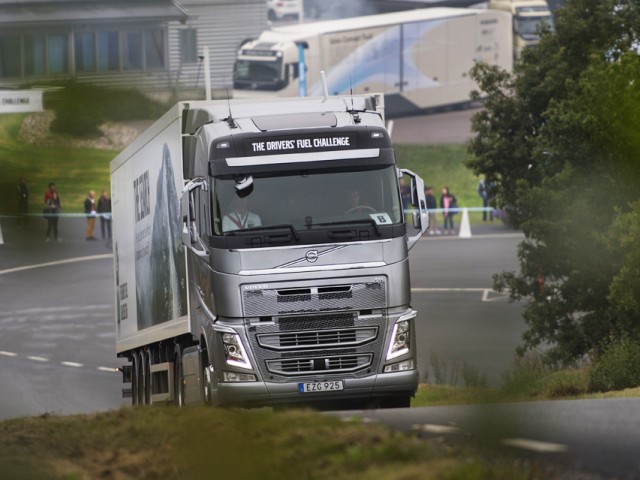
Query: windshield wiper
{"x": 261, "y": 228}
{"x": 364, "y": 221}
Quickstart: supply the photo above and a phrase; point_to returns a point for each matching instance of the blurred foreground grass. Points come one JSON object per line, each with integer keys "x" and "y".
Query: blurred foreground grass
{"x": 204, "y": 443}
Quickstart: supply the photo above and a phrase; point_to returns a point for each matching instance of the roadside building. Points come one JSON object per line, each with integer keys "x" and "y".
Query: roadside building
{"x": 153, "y": 45}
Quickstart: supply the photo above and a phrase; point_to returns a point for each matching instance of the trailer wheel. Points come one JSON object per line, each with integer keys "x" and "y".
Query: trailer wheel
{"x": 147, "y": 379}
{"x": 135, "y": 380}
{"x": 141, "y": 380}
{"x": 178, "y": 386}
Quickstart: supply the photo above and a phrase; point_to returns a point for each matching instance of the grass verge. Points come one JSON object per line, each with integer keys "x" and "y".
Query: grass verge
{"x": 75, "y": 171}
{"x": 165, "y": 442}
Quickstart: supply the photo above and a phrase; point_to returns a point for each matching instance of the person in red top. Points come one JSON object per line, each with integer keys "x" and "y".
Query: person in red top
{"x": 449, "y": 206}
{"x": 49, "y": 193}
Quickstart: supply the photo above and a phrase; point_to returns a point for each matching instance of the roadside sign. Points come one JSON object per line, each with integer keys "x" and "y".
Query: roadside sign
{"x": 20, "y": 101}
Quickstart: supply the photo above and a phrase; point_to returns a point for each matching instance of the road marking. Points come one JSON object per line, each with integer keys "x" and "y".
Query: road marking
{"x": 66, "y": 364}
{"x": 1, "y": 237}
{"x": 37, "y": 359}
{"x": 485, "y": 292}
{"x": 423, "y": 290}
{"x": 72, "y": 364}
{"x": 534, "y": 445}
{"x": 108, "y": 369}
{"x": 58, "y": 262}
{"x": 41, "y": 310}
{"x": 431, "y": 428}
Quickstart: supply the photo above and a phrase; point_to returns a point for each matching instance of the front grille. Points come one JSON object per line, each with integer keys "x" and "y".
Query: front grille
{"x": 294, "y": 301}
{"x": 353, "y": 348}
{"x": 314, "y": 339}
{"x": 319, "y": 365}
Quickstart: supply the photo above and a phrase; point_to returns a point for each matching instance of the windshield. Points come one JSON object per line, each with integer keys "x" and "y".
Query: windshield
{"x": 306, "y": 200}
{"x": 528, "y": 26}
{"x": 258, "y": 74}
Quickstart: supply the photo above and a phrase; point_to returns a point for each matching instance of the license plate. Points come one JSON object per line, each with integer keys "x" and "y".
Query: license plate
{"x": 333, "y": 386}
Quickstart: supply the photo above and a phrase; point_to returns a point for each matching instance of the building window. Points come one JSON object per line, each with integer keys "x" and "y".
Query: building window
{"x": 189, "y": 45}
{"x": 154, "y": 49}
{"x": 10, "y": 56}
{"x": 34, "y": 54}
{"x": 85, "y": 51}
{"x": 108, "y": 51}
{"x": 132, "y": 51}
{"x": 58, "y": 53}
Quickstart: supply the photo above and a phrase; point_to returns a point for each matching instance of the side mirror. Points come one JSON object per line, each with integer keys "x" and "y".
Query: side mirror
{"x": 419, "y": 216}
{"x": 190, "y": 235}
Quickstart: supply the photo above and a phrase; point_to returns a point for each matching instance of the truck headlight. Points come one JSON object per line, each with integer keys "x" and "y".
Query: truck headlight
{"x": 234, "y": 352}
{"x": 400, "y": 343}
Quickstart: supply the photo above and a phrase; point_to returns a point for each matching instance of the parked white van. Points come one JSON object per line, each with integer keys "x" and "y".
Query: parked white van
{"x": 282, "y": 9}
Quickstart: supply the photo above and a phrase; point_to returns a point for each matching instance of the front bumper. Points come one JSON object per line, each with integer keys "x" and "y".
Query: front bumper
{"x": 357, "y": 390}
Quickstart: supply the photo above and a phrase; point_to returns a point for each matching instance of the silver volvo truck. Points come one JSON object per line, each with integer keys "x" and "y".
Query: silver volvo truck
{"x": 261, "y": 256}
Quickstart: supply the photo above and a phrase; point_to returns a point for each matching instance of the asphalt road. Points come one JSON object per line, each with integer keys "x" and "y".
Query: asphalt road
{"x": 57, "y": 339}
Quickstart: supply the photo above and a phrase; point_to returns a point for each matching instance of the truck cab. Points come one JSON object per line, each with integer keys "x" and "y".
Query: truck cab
{"x": 527, "y": 16}
{"x": 300, "y": 279}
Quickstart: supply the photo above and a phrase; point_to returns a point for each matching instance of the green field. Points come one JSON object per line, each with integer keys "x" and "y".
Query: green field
{"x": 76, "y": 171}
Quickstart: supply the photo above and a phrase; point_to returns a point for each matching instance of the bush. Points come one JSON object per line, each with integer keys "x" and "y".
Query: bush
{"x": 617, "y": 368}
{"x": 81, "y": 108}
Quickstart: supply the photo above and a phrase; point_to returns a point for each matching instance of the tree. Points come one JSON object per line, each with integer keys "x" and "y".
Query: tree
{"x": 559, "y": 140}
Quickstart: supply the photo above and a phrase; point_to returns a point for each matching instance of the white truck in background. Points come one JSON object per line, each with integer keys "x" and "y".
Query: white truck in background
{"x": 527, "y": 17}
{"x": 419, "y": 59}
{"x": 307, "y": 298}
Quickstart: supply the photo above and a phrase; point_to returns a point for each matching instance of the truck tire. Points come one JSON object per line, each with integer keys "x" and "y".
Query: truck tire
{"x": 205, "y": 375}
{"x": 145, "y": 377}
{"x": 140, "y": 383}
{"x": 178, "y": 387}
{"x": 135, "y": 381}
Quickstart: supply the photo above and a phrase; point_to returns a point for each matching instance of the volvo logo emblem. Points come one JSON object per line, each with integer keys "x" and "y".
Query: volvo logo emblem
{"x": 312, "y": 256}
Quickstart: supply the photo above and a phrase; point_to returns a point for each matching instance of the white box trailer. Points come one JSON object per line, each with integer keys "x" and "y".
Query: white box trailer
{"x": 420, "y": 59}
{"x": 304, "y": 299}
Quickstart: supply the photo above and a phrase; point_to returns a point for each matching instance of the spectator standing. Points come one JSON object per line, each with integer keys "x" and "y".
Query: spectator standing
{"x": 449, "y": 206}
{"x": 23, "y": 202}
{"x": 432, "y": 206}
{"x": 484, "y": 192}
{"x": 51, "y": 211}
{"x": 47, "y": 195}
{"x": 90, "y": 211}
{"x": 104, "y": 211}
